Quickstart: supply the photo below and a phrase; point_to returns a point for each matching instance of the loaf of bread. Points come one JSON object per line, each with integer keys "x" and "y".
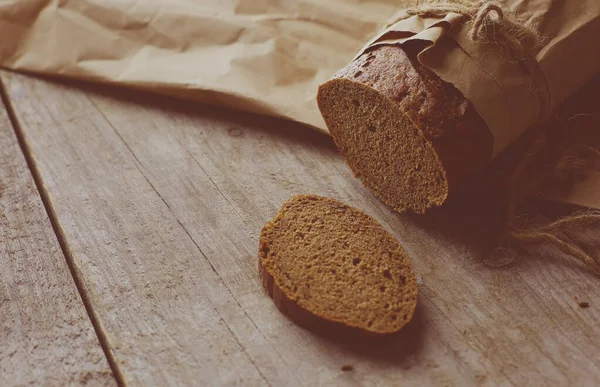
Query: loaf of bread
{"x": 331, "y": 267}
{"x": 411, "y": 138}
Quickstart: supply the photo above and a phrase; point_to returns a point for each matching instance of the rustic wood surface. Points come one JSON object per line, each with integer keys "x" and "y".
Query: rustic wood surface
{"x": 46, "y": 337}
{"x": 160, "y": 204}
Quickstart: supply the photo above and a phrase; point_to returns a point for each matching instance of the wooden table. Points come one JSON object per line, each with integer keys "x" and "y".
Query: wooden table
{"x": 129, "y": 232}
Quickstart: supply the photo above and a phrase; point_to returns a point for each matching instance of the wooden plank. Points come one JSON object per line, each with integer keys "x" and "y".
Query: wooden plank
{"x": 161, "y": 204}
{"x": 46, "y": 337}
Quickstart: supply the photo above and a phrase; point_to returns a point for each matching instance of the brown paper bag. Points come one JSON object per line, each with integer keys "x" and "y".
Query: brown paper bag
{"x": 501, "y": 89}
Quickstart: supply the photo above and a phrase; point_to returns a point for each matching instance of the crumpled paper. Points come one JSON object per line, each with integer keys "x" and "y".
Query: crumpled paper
{"x": 262, "y": 56}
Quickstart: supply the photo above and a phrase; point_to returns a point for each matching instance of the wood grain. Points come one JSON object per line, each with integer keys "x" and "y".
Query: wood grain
{"x": 46, "y": 337}
{"x": 161, "y": 204}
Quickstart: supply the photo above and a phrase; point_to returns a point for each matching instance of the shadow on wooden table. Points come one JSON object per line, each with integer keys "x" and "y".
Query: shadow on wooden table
{"x": 397, "y": 349}
{"x": 275, "y": 127}
{"x": 478, "y": 216}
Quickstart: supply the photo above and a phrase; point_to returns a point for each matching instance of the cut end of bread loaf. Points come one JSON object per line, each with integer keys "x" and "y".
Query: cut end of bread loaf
{"x": 328, "y": 265}
{"x": 383, "y": 148}
{"x": 408, "y": 135}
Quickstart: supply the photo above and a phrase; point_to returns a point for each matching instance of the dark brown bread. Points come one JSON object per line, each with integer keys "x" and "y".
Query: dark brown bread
{"x": 411, "y": 137}
{"x": 329, "y": 266}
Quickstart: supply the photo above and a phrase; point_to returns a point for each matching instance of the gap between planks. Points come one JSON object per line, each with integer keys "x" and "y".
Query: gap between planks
{"x": 118, "y": 375}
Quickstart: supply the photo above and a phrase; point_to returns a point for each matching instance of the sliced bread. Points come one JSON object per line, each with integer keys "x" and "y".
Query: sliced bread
{"x": 330, "y": 266}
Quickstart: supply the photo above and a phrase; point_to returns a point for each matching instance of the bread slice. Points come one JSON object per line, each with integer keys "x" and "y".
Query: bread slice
{"x": 409, "y": 136}
{"x": 329, "y": 266}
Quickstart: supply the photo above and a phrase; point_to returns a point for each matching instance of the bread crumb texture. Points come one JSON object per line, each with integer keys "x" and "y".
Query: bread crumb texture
{"x": 338, "y": 264}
